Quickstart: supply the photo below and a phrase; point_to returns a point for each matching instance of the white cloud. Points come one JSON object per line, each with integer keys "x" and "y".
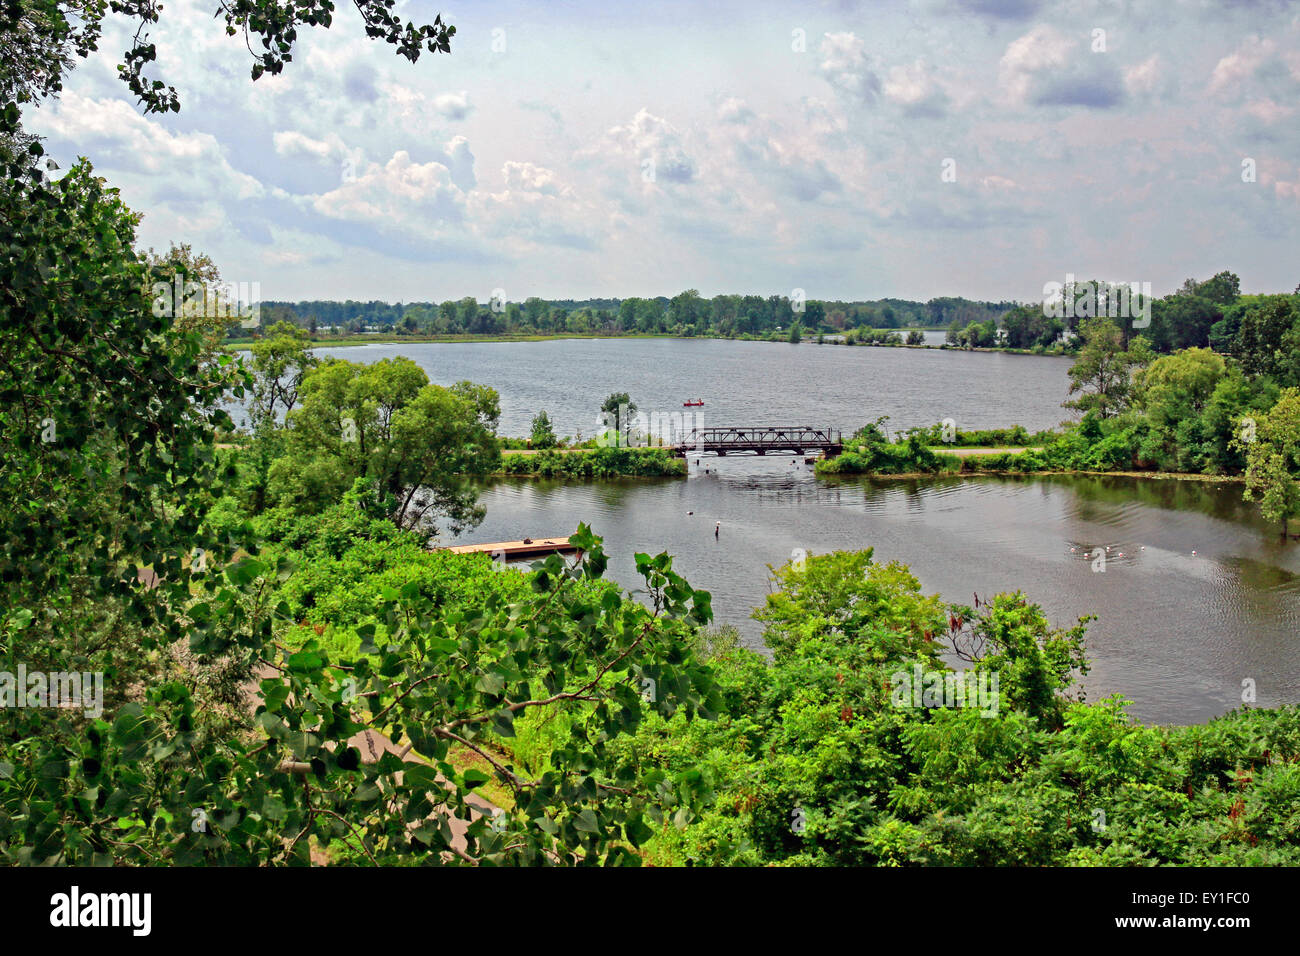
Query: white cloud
{"x": 1267, "y": 110}
{"x": 1042, "y": 49}
{"x": 460, "y": 162}
{"x": 529, "y": 177}
{"x": 114, "y": 133}
{"x": 655, "y": 144}
{"x": 1143, "y": 79}
{"x": 1047, "y": 67}
{"x": 914, "y": 87}
{"x": 1234, "y": 69}
{"x": 293, "y": 143}
{"x": 734, "y": 110}
{"x": 400, "y": 193}
{"x": 844, "y": 65}
{"x": 997, "y": 183}
{"x": 453, "y": 106}
{"x": 764, "y": 165}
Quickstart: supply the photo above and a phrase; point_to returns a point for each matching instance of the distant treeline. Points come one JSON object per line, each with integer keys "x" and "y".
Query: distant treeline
{"x": 1201, "y": 314}
{"x": 685, "y": 314}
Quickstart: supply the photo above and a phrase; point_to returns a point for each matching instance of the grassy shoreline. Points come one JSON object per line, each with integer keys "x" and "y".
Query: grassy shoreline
{"x": 1069, "y": 472}
{"x": 908, "y": 475}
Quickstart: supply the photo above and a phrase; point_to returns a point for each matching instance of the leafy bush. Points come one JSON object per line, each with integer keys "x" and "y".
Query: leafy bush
{"x": 810, "y": 763}
{"x": 597, "y": 463}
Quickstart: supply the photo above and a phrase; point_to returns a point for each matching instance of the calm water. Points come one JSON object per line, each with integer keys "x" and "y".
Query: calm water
{"x": 746, "y": 383}
{"x": 1177, "y": 633}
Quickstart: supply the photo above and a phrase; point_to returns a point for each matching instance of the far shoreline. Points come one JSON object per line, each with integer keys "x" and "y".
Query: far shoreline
{"x": 245, "y": 344}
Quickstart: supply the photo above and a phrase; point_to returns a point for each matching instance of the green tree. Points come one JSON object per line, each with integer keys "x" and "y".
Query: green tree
{"x": 106, "y": 443}
{"x": 688, "y": 309}
{"x": 281, "y": 359}
{"x": 536, "y": 309}
{"x": 1027, "y": 326}
{"x": 616, "y": 413}
{"x": 543, "y": 435}
{"x": 201, "y": 307}
{"x": 814, "y": 314}
{"x": 1176, "y": 387}
{"x": 1183, "y": 320}
{"x": 417, "y": 443}
{"x": 979, "y": 335}
{"x": 1269, "y": 338}
{"x": 1272, "y": 450}
{"x": 1102, "y": 373}
{"x": 1224, "y": 288}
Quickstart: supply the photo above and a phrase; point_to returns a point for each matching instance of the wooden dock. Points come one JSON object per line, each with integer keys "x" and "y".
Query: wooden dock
{"x": 518, "y": 549}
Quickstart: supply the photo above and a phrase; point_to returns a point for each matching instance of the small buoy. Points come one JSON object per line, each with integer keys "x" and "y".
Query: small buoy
{"x": 1107, "y": 547}
{"x": 1121, "y": 554}
{"x": 1072, "y": 550}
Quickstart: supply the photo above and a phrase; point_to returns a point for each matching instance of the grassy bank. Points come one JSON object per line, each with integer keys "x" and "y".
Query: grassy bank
{"x": 581, "y": 463}
{"x": 1079, "y": 449}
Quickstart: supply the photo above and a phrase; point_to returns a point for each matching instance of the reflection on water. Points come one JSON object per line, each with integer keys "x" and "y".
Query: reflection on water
{"x": 1177, "y": 632}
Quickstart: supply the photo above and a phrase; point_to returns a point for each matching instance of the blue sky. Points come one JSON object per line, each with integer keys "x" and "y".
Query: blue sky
{"x": 617, "y": 149}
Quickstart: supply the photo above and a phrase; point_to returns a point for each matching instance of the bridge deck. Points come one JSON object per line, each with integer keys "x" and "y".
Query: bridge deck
{"x": 795, "y": 439}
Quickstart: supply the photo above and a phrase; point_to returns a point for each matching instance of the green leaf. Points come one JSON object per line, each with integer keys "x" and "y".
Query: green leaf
{"x": 305, "y": 662}
{"x": 637, "y": 831}
{"x": 503, "y": 722}
{"x": 490, "y": 683}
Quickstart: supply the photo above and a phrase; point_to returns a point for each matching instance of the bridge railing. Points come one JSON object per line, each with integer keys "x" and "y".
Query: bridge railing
{"x": 761, "y": 438}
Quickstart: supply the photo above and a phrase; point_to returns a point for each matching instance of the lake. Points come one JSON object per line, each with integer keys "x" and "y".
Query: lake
{"x": 745, "y": 383}
{"x": 1177, "y": 632}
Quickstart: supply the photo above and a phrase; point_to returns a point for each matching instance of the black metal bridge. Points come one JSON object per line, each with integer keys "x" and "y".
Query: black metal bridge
{"x": 790, "y": 439}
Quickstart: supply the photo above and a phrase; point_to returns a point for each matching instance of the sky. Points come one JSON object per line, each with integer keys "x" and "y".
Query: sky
{"x": 851, "y": 150}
